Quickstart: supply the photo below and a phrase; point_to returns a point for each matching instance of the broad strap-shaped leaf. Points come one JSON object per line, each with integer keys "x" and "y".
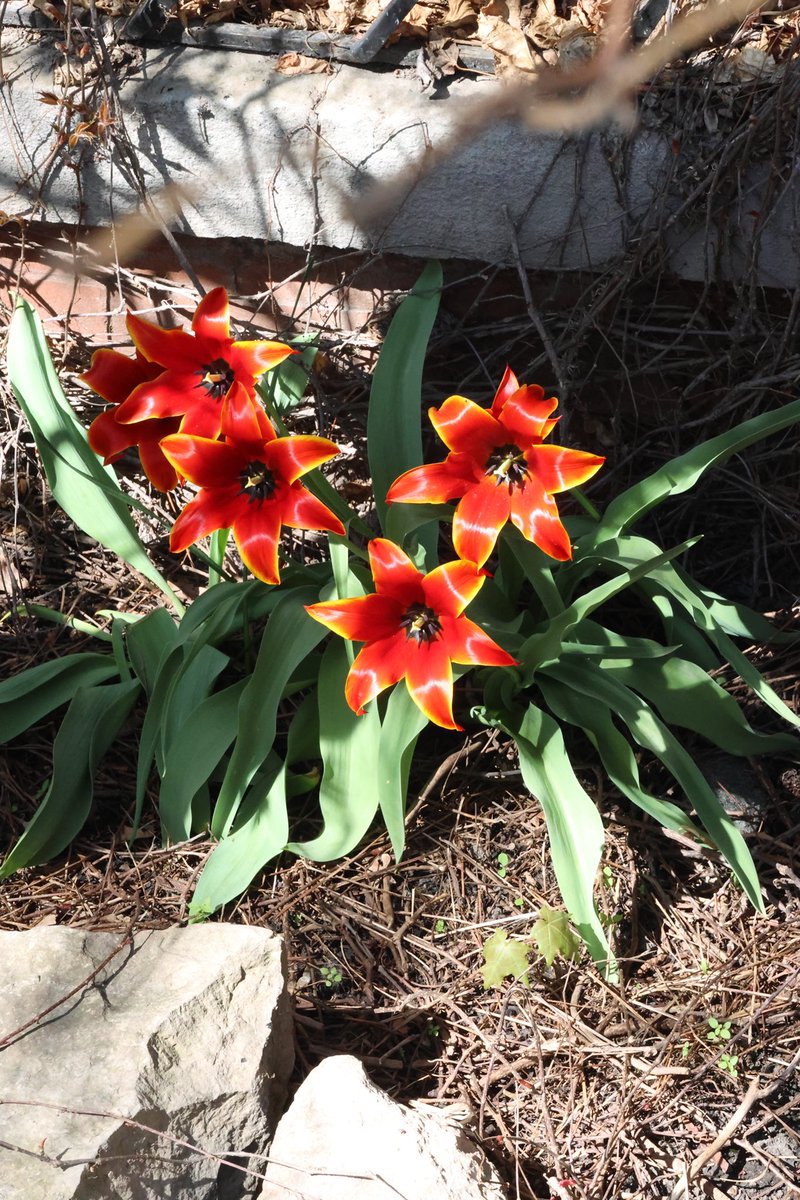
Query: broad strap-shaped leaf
{"x": 154, "y": 654}
{"x": 573, "y": 822}
{"x": 259, "y": 835}
{"x": 91, "y": 723}
{"x": 652, "y": 734}
{"x": 192, "y": 755}
{"x": 394, "y": 435}
{"x": 29, "y": 696}
{"x": 683, "y": 472}
{"x": 290, "y": 635}
{"x": 87, "y": 491}
{"x": 349, "y": 746}
{"x": 225, "y": 609}
{"x": 686, "y": 696}
{"x": 401, "y": 727}
{"x": 736, "y": 619}
{"x": 630, "y": 550}
{"x": 545, "y": 646}
{"x": 615, "y": 752}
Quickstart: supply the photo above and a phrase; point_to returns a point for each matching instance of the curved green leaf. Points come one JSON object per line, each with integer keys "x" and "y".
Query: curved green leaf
{"x": 259, "y": 835}
{"x": 192, "y": 752}
{"x": 87, "y": 491}
{"x": 32, "y": 694}
{"x": 573, "y": 823}
{"x": 402, "y": 725}
{"x": 652, "y": 734}
{"x": 289, "y": 636}
{"x": 615, "y": 752}
{"x": 686, "y": 696}
{"x": 683, "y": 472}
{"x": 349, "y": 746}
{"x": 627, "y": 551}
{"x": 545, "y": 646}
{"x": 92, "y": 721}
{"x": 394, "y": 436}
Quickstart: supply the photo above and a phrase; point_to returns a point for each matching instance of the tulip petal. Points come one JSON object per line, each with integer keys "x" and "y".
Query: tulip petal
{"x": 291, "y": 457}
{"x": 216, "y": 508}
{"x": 536, "y": 517}
{"x": 108, "y": 438}
{"x": 478, "y": 520}
{"x": 170, "y": 394}
{"x": 449, "y": 588}
{"x": 466, "y": 642}
{"x": 158, "y": 469}
{"x": 525, "y": 414}
{"x": 172, "y": 348}
{"x": 557, "y": 468}
{"x": 241, "y": 417}
{"x": 508, "y": 385}
{"x": 301, "y": 510}
{"x": 379, "y": 665}
{"x": 257, "y": 531}
{"x": 435, "y": 484}
{"x": 466, "y": 428}
{"x": 394, "y": 573}
{"x": 207, "y": 463}
{"x": 429, "y": 679}
{"x": 212, "y": 318}
{"x": 361, "y": 618}
{"x": 251, "y": 359}
{"x": 114, "y": 376}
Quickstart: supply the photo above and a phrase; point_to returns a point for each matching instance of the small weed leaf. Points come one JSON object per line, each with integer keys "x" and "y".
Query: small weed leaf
{"x": 502, "y": 957}
{"x": 552, "y": 936}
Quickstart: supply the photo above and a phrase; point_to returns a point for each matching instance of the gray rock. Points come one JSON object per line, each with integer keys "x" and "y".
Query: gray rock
{"x": 344, "y": 1139}
{"x": 183, "y": 1031}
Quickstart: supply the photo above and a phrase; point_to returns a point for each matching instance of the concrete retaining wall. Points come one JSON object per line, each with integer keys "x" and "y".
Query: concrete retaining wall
{"x": 265, "y": 156}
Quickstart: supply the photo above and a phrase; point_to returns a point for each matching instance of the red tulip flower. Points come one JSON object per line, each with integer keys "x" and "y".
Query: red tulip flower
{"x": 114, "y": 376}
{"x": 198, "y": 368}
{"x": 499, "y": 469}
{"x": 249, "y": 483}
{"x": 414, "y": 629}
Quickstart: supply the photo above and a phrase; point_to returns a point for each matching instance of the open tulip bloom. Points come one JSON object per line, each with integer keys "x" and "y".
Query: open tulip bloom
{"x": 114, "y": 376}
{"x": 414, "y": 629}
{"x": 499, "y": 469}
{"x": 249, "y": 483}
{"x": 199, "y": 368}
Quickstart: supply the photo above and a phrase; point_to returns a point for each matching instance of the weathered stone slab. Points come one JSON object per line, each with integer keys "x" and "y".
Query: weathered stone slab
{"x": 259, "y": 154}
{"x": 184, "y": 1031}
{"x": 344, "y": 1139}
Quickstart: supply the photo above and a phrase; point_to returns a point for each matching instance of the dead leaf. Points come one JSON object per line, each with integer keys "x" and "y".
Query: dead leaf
{"x": 459, "y": 12}
{"x": 302, "y": 64}
{"x": 512, "y": 53}
{"x": 415, "y": 25}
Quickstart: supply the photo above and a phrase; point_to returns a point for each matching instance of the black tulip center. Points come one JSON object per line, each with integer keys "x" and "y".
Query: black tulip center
{"x": 421, "y": 623}
{"x": 506, "y": 464}
{"x": 258, "y": 482}
{"x": 216, "y": 378}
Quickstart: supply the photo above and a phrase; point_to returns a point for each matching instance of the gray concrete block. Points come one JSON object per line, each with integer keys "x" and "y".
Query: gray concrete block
{"x": 288, "y": 159}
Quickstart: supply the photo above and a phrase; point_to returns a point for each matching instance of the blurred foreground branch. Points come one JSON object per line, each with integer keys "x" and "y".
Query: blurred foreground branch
{"x": 570, "y": 100}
